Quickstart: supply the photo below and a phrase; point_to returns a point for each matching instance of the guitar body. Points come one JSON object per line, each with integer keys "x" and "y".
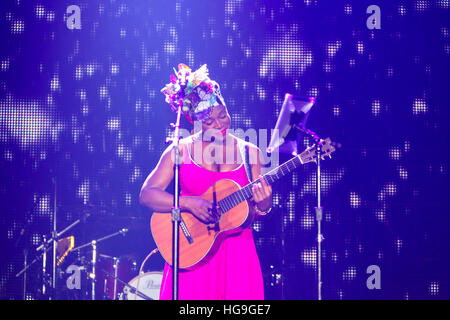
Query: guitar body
{"x": 236, "y": 217}
{"x": 207, "y": 238}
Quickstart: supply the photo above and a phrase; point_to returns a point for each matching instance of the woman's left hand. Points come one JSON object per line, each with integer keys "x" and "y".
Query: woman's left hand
{"x": 262, "y": 194}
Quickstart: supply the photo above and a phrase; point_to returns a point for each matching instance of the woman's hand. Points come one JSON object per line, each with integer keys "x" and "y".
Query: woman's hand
{"x": 262, "y": 194}
{"x": 200, "y": 208}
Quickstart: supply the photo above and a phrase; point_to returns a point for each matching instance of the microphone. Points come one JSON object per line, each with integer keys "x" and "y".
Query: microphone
{"x": 182, "y": 82}
{"x": 182, "y": 77}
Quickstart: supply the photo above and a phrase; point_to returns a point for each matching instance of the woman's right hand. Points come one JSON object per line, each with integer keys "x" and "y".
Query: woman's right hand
{"x": 200, "y": 208}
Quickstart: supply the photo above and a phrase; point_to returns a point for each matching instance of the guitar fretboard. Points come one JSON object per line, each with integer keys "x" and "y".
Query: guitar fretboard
{"x": 245, "y": 193}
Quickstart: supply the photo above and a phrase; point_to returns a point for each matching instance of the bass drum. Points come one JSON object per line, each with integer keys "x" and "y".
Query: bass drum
{"x": 149, "y": 284}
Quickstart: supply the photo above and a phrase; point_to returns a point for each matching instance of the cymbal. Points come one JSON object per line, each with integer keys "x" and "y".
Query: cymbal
{"x": 63, "y": 248}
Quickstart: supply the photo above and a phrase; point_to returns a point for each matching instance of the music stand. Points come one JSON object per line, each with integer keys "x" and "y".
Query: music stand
{"x": 291, "y": 121}
{"x": 294, "y": 112}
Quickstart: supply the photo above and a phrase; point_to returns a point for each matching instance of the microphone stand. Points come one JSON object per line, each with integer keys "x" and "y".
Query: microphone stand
{"x": 177, "y": 220}
{"x": 176, "y": 212}
{"x": 318, "y": 209}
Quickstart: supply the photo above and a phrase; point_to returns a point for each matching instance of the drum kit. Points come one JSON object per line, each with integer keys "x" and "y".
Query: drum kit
{"x": 89, "y": 274}
{"x": 115, "y": 278}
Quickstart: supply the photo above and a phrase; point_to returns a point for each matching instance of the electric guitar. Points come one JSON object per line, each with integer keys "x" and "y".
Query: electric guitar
{"x": 200, "y": 239}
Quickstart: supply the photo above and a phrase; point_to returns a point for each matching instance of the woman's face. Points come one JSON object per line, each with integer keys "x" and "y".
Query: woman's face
{"x": 219, "y": 120}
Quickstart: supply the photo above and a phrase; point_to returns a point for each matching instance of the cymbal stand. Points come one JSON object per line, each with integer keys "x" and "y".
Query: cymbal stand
{"x": 44, "y": 267}
{"x": 92, "y": 276}
{"x": 25, "y": 262}
{"x": 116, "y": 269}
{"x": 44, "y": 248}
{"x": 93, "y": 244}
{"x": 55, "y": 239}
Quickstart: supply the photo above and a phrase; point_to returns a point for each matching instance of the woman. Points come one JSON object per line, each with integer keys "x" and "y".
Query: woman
{"x": 233, "y": 271}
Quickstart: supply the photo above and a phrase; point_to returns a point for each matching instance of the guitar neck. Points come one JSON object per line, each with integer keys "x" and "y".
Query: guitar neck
{"x": 270, "y": 177}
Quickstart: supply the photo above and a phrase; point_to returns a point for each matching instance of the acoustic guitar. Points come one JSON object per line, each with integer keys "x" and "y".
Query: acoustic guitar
{"x": 230, "y": 200}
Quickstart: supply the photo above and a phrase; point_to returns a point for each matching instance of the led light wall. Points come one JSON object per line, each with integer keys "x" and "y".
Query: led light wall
{"x": 83, "y": 122}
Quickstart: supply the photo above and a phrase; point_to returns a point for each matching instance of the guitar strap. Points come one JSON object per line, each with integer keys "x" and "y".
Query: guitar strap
{"x": 245, "y": 157}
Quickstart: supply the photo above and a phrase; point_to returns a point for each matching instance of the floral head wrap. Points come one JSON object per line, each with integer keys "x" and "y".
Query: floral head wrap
{"x": 201, "y": 93}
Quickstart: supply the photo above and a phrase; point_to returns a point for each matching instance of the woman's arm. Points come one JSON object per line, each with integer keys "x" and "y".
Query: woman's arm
{"x": 262, "y": 192}
{"x": 154, "y": 196}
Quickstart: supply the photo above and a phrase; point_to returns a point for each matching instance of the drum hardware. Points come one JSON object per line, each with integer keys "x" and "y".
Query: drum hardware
{"x": 132, "y": 289}
{"x": 94, "y": 262}
{"x": 121, "y": 268}
{"x": 44, "y": 248}
{"x": 61, "y": 248}
{"x": 116, "y": 269}
{"x": 149, "y": 285}
{"x": 44, "y": 267}
{"x": 142, "y": 266}
{"x": 19, "y": 241}
{"x": 121, "y": 231}
{"x": 25, "y": 262}
{"x": 93, "y": 244}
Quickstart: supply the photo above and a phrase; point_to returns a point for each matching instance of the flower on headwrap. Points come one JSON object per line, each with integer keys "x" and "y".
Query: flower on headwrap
{"x": 201, "y": 93}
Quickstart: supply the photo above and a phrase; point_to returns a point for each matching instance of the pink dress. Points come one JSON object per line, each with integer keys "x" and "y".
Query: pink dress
{"x": 234, "y": 271}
